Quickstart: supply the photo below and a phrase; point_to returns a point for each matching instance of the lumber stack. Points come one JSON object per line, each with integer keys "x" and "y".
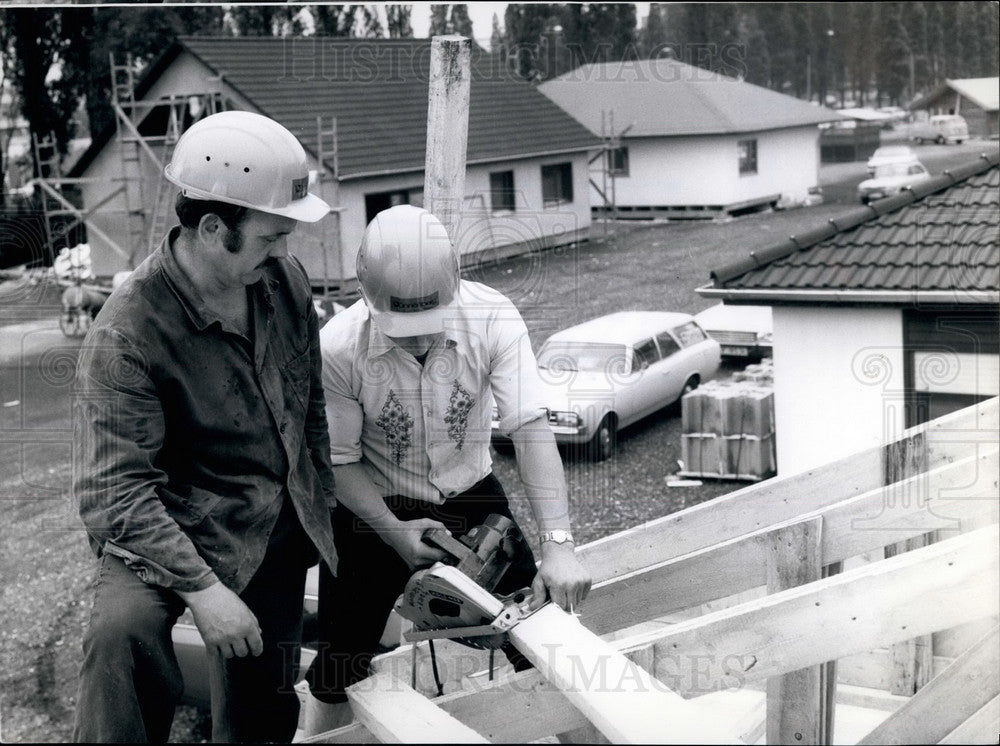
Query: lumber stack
{"x": 729, "y": 427}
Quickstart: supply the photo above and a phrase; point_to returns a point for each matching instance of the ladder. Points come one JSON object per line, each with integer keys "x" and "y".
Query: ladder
{"x": 49, "y": 169}
{"x": 130, "y": 149}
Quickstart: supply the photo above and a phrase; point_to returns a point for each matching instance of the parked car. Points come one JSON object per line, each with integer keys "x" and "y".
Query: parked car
{"x": 891, "y": 178}
{"x": 890, "y": 154}
{"x": 609, "y": 372}
{"x": 940, "y": 128}
{"x": 741, "y": 331}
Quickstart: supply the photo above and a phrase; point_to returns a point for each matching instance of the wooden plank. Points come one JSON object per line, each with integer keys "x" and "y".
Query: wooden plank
{"x": 783, "y": 498}
{"x": 447, "y": 129}
{"x": 792, "y": 558}
{"x": 619, "y": 697}
{"x": 937, "y": 587}
{"x": 912, "y": 659}
{"x": 948, "y": 700}
{"x": 395, "y": 713}
{"x": 981, "y": 728}
{"x": 858, "y": 610}
{"x": 960, "y": 495}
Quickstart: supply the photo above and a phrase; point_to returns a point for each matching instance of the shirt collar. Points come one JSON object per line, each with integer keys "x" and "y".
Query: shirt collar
{"x": 194, "y": 305}
{"x": 380, "y": 344}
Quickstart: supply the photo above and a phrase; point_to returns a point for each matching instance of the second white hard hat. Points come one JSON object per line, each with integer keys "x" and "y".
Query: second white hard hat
{"x": 408, "y": 271}
{"x": 245, "y": 159}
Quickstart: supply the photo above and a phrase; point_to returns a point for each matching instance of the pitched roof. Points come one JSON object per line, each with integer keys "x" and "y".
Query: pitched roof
{"x": 377, "y": 90}
{"x": 667, "y": 97}
{"x": 983, "y": 92}
{"x": 941, "y": 236}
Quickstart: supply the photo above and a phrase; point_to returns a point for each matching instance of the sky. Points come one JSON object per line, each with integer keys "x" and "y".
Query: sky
{"x": 482, "y": 18}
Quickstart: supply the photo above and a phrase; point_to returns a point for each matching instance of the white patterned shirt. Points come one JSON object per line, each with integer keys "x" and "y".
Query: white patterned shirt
{"x": 424, "y": 430}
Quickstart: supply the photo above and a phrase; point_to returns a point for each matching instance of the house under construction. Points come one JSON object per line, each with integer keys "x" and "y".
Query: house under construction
{"x": 359, "y": 107}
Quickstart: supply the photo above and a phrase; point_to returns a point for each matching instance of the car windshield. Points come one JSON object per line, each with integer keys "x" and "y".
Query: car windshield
{"x": 582, "y": 356}
{"x": 896, "y": 169}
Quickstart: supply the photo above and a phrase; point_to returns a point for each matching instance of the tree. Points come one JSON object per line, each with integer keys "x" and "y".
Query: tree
{"x": 497, "y": 44}
{"x": 439, "y": 20}
{"x": 359, "y": 21}
{"x": 459, "y": 21}
{"x": 398, "y": 21}
{"x": 526, "y": 24}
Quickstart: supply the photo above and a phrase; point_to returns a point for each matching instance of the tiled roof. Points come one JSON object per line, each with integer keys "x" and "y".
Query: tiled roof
{"x": 668, "y": 97}
{"x": 377, "y": 90}
{"x": 943, "y": 235}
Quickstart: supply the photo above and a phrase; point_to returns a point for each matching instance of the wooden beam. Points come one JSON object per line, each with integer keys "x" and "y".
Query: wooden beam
{"x": 982, "y": 727}
{"x": 395, "y": 713}
{"x": 447, "y": 129}
{"x": 912, "y": 659}
{"x": 783, "y": 498}
{"x": 619, "y": 697}
{"x": 929, "y": 589}
{"x": 948, "y": 700}
{"x": 961, "y": 495}
{"x": 852, "y": 612}
{"x": 796, "y": 701}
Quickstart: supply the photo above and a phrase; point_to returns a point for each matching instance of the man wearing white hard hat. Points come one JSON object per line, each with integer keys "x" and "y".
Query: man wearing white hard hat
{"x": 411, "y": 373}
{"x": 203, "y": 473}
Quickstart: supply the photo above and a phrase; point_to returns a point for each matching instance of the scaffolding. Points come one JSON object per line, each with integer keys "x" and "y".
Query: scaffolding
{"x": 603, "y": 168}
{"x": 141, "y": 188}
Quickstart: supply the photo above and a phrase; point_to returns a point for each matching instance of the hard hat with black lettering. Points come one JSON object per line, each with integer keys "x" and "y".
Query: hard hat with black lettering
{"x": 243, "y": 158}
{"x": 408, "y": 271}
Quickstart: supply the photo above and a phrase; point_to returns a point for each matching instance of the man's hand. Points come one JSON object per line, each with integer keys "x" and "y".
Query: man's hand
{"x": 405, "y": 538}
{"x": 560, "y": 577}
{"x": 225, "y": 622}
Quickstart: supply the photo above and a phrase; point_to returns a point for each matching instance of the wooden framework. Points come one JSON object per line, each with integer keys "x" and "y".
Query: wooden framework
{"x": 769, "y": 586}
{"x": 744, "y": 592}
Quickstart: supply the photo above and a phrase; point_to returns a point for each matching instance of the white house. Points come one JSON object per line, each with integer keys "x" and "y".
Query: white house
{"x": 360, "y": 107}
{"x": 884, "y": 318}
{"x": 977, "y": 100}
{"x": 687, "y": 140}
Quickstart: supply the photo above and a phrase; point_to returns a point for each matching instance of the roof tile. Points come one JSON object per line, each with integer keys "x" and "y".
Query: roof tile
{"x": 946, "y": 240}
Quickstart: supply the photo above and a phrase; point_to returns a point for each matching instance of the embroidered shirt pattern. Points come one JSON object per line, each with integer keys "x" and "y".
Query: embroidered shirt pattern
{"x": 457, "y": 415}
{"x": 397, "y": 424}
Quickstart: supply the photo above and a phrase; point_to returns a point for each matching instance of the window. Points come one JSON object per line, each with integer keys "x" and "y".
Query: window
{"x": 502, "y": 191}
{"x": 378, "y": 201}
{"x": 618, "y": 161}
{"x": 747, "y": 150}
{"x": 644, "y": 356}
{"x": 557, "y": 184}
{"x": 689, "y": 334}
{"x": 668, "y": 345}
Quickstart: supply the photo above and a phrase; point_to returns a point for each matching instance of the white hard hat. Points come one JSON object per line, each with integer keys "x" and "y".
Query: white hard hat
{"x": 408, "y": 272}
{"x": 245, "y": 159}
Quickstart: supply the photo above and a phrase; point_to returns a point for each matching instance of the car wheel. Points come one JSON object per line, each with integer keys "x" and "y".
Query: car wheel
{"x": 690, "y": 385}
{"x": 940, "y": 140}
{"x": 602, "y": 444}
{"x": 959, "y": 142}
{"x": 919, "y": 140}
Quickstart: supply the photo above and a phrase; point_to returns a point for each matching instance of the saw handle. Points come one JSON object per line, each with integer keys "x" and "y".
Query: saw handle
{"x": 442, "y": 539}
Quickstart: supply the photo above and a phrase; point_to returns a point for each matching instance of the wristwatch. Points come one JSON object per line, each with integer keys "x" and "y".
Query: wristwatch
{"x": 559, "y": 536}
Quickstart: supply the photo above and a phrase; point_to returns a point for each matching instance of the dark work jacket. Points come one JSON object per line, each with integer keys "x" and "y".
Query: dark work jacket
{"x": 190, "y": 437}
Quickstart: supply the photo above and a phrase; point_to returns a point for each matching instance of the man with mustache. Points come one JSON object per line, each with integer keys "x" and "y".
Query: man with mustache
{"x": 203, "y": 470}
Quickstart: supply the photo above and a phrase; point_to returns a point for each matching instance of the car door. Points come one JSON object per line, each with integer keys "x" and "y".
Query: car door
{"x": 639, "y": 393}
{"x": 673, "y": 368}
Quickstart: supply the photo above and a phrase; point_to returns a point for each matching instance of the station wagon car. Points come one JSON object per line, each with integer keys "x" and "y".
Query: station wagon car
{"x": 609, "y": 372}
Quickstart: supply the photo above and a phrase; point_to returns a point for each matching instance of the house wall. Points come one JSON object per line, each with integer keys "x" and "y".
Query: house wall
{"x": 981, "y": 123}
{"x": 327, "y": 249}
{"x": 481, "y": 232}
{"x": 704, "y": 170}
{"x": 838, "y": 377}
